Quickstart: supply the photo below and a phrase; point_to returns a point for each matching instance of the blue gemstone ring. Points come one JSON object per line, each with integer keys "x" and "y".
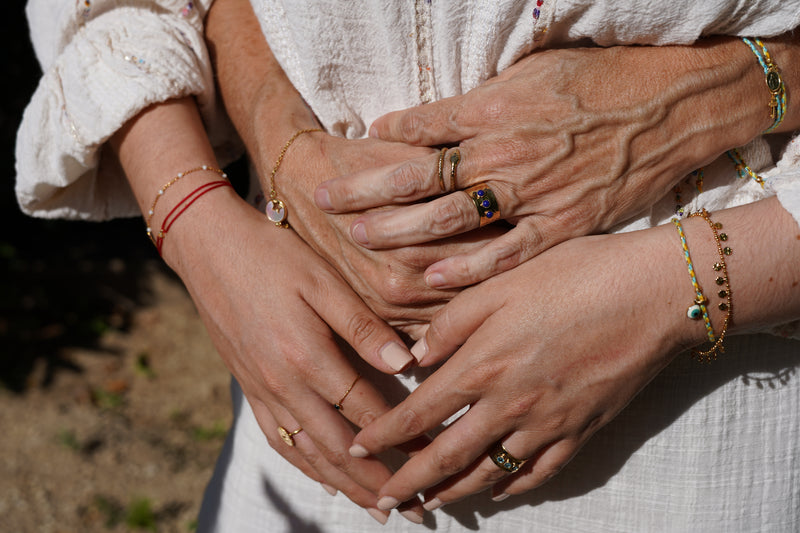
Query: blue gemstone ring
{"x": 505, "y": 460}
{"x": 485, "y": 202}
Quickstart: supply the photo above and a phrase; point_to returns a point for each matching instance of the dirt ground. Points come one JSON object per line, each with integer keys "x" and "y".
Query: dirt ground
{"x": 124, "y": 434}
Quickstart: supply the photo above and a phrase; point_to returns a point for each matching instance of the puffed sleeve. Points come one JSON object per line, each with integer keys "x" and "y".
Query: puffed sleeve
{"x": 103, "y": 62}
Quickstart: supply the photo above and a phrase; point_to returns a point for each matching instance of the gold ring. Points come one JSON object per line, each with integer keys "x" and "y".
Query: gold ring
{"x": 440, "y": 167}
{"x": 338, "y": 405}
{"x": 286, "y": 436}
{"x": 505, "y": 460}
{"x": 485, "y": 202}
{"x": 455, "y": 159}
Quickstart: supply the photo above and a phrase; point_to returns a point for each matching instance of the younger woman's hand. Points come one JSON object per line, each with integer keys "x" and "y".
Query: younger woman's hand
{"x": 544, "y": 355}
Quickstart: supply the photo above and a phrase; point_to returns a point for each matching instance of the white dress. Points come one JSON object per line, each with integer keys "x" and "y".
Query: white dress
{"x": 702, "y": 448}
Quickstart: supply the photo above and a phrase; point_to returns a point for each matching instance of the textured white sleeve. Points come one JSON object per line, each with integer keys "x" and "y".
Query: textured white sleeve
{"x": 610, "y": 22}
{"x": 104, "y": 61}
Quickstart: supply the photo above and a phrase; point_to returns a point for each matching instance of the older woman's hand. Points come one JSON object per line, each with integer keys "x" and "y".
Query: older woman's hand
{"x": 571, "y": 142}
{"x": 545, "y": 355}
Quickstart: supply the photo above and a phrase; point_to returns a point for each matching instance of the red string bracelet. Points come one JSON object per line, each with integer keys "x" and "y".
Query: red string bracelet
{"x": 184, "y": 204}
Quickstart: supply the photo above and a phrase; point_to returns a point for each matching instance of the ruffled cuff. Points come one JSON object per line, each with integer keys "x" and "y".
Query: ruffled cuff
{"x": 115, "y": 65}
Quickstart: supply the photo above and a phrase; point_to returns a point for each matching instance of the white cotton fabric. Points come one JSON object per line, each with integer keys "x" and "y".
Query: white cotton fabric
{"x": 703, "y": 448}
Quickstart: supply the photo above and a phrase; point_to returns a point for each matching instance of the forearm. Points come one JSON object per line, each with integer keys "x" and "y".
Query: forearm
{"x": 262, "y": 103}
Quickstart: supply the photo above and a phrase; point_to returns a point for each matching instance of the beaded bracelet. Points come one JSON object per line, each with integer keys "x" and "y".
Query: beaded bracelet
{"x": 777, "y": 89}
{"x": 168, "y": 185}
{"x": 698, "y": 308}
{"x": 742, "y": 168}
{"x": 706, "y": 356}
{"x": 276, "y": 209}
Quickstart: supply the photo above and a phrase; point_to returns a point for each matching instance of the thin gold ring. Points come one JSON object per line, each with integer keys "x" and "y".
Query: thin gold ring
{"x": 338, "y": 405}
{"x": 440, "y": 167}
{"x": 287, "y": 436}
{"x": 505, "y": 460}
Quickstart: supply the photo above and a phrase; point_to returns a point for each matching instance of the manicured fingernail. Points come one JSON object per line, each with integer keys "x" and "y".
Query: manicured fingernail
{"x": 330, "y": 490}
{"x": 412, "y": 516}
{"x": 373, "y": 132}
{"x": 435, "y": 280}
{"x": 387, "y": 503}
{"x": 500, "y": 497}
{"x": 378, "y": 515}
{"x": 323, "y": 198}
{"x": 420, "y": 349}
{"x": 357, "y": 450}
{"x": 359, "y": 233}
{"x": 396, "y": 356}
{"x": 430, "y": 505}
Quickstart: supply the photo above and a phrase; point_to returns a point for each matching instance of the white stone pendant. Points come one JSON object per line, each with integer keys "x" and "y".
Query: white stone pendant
{"x": 276, "y": 212}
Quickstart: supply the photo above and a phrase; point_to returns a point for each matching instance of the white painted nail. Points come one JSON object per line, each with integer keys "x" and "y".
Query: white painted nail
{"x": 412, "y": 516}
{"x": 500, "y": 497}
{"x": 387, "y": 503}
{"x": 396, "y": 356}
{"x": 420, "y": 349}
{"x": 330, "y": 490}
{"x": 430, "y": 505}
{"x": 357, "y": 450}
{"x": 378, "y": 515}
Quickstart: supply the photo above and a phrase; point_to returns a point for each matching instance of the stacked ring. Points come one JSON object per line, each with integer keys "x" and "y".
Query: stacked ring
{"x": 455, "y": 159}
{"x": 505, "y": 460}
{"x": 338, "y": 405}
{"x": 485, "y": 203}
{"x": 440, "y": 169}
{"x": 286, "y": 436}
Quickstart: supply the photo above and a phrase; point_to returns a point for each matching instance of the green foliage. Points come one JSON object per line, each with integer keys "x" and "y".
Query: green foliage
{"x": 140, "y": 515}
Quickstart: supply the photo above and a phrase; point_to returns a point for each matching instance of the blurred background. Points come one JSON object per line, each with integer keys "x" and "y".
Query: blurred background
{"x": 113, "y": 403}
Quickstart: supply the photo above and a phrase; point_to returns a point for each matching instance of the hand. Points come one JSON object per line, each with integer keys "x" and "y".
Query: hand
{"x": 571, "y": 142}
{"x": 545, "y": 355}
{"x": 254, "y": 286}
{"x": 389, "y": 281}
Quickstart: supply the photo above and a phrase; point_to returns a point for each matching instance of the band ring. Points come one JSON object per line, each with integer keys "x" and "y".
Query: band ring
{"x": 287, "y": 436}
{"x": 440, "y": 169}
{"x": 505, "y": 460}
{"x": 485, "y": 202}
{"x": 338, "y": 405}
{"x": 455, "y": 159}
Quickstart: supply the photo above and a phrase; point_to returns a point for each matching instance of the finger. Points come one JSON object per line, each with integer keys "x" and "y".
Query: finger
{"x": 345, "y": 312}
{"x": 484, "y": 473}
{"x": 538, "y": 470}
{"x": 450, "y": 457}
{"x": 453, "y": 325}
{"x": 394, "y": 184}
{"x": 528, "y": 238}
{"x": 427, "y": 125}
{"x": 438, "y": 219}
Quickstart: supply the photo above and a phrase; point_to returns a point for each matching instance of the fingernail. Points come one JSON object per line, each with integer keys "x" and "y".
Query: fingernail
{"x": 420, "y": 349}
{"x": 373, "y": 132}
{"x": 430, "y": 505}
{"x": 359, "y": 233}
{"x": 387, "y": 503}
{"x": 412, "y": 516}
{"x": 330, "y": 490}
{"x": 500, "y": 497}
{"x": 378, "y": 515}
{"x": 435, "y": 280}
{"x": 396, "y": 356}
{"x": 323, "y": 198}
{"x": 357, "y": 450}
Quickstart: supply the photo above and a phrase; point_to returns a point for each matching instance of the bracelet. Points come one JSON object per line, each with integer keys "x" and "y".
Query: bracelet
{"x": 276, "y": 209}
{"x": 184, "y": 204}
{"x": 698, "y": 308}
{"x": 777, "y": 89}
{"x": 167, "y": 186}
{"x": 741, "y": 167}
{"x": 722, "y": 279}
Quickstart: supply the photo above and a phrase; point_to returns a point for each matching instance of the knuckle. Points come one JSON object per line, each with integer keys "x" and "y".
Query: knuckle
{"x": 361, "y": 327}
{"x": 449, "y": 217}
{"x": 339, "y": 459}
{"x": 410, "y": 127}
{"x": 396, "y": 289}
{"x": 406, "y": 182}
{"x": 448, "y": 463}
{"x": 411, "y": 423}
